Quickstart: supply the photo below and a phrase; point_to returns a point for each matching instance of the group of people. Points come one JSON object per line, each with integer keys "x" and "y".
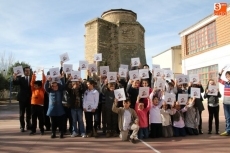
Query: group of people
{"x": 54, "y": 103}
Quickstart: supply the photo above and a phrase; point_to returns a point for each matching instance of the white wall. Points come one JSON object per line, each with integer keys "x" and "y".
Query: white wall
{"x": 220, "y": 56}
{"x": 164, "y": 59}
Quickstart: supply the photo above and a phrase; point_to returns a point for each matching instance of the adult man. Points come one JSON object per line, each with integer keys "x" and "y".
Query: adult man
{"x": 24, "y": 98}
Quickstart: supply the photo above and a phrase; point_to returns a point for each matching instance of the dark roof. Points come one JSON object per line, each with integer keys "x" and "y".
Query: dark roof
{"x": 123, "y": 10}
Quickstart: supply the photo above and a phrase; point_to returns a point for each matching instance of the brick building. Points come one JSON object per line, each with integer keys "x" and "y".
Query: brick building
{"x": 206, "y": 47}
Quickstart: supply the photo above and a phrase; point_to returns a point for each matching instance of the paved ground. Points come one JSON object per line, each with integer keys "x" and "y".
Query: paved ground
{"x": 13, "y": 141}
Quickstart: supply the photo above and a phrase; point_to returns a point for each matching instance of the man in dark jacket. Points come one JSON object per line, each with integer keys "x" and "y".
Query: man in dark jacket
{"x": 24, "y": 98}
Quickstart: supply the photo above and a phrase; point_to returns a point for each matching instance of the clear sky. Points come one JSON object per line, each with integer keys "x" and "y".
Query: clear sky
{"x": 38, "y": 31}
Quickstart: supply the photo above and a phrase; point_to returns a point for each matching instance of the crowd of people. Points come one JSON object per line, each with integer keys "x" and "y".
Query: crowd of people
{"x": 54, "y": 103}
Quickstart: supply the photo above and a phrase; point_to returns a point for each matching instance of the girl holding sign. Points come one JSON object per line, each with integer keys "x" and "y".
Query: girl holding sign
{"x": 213, "y": 107}
{"x": 198, "y": 102}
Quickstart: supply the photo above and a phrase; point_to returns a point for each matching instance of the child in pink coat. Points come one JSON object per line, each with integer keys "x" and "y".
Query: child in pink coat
{"x": 143, "y": 118}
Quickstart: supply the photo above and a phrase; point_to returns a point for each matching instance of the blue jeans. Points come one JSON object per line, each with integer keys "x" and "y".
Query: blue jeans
{"x": 227, "y": 117}
{"x": 77, "y": 115}
{"x": 143, "y": 133}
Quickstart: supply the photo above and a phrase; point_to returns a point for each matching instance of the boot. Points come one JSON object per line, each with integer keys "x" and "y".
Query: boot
{"x": 53, "y": 135}
{"x": 94, "y": 132}
{"x": 89, "y": 134}
{"x": 114, "y": 134}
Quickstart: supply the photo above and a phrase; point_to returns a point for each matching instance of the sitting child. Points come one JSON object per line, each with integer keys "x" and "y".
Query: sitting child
{"x": 143, "y": 118}
{"x": 127, "y": 120}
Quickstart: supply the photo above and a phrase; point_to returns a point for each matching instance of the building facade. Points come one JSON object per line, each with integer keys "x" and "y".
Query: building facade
{"x": 206, "y": 47}
{"x": 118, "y": 36}
{"x": 170, "y": 58}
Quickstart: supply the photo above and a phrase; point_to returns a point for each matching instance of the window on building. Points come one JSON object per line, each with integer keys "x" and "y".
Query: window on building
{"x": 206, "y": 73}
{"x": 201, "y": 39}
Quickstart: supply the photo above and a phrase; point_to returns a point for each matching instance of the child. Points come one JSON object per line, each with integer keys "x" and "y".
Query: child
{"x": 213, "y": 107}
{"x": 75, "y": 103}
{"x": 192, "y": 117}
{"x": 111, "y": 117}
{"x": 37, "y": 103}
{"x": 90, "y": 104}
{"x": 56, "y": 110}
{"x": 198, "y": 103}
{"x": 166, "y": 121}
{"x": 142, "y": 114}
{"x": 155, "y": 117}
{"x": 127, "y": 120}
{"x": 226, "y": 101}
{"x": 144, "y": 83}
{"x": 133, "y": 91}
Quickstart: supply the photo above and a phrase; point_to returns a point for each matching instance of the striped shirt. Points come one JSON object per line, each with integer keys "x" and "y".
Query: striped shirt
{"x": 226, "y": 91}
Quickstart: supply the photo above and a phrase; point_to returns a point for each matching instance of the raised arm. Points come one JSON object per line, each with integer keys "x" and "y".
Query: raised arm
{"x": 47, "y": 86}
{"x": 220, "y": 80}
{"x": 32, "y": 81}
{"x": 148, "y": 106}
{"x": 43, "y": 79}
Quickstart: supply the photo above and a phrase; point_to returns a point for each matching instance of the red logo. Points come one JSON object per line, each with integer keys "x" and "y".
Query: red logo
{"x": 220, "y": 9}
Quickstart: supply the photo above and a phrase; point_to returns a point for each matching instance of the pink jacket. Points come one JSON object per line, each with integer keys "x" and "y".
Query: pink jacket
{"x": 142, "y": 115}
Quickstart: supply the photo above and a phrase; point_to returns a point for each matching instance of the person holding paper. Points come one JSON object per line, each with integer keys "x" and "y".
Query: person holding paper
{"x": 226, "y": 100}
{"x": 133, "y": 91}
{"x": 75, "y": 90}
{"x": 155, "y": 116}
{"x": 166, "y": 113}
{"x": 127, "y": 120}
{"x": 198, "y": 102}
{"x": 145, "y": 83}
{"x": 56, "y": 110}
{"x": 90, "y": 104}
{"x": 111, "y": 117}
{"x": 24, "y": 98}
{"x": 142, "y": 114}
{"x": 146, "y": 66}
{"x": 213, "y": 107}
{"x": 37, "y": 103}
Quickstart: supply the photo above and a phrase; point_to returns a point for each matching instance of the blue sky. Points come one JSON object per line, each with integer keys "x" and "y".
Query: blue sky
{"x": 38, "y": 31}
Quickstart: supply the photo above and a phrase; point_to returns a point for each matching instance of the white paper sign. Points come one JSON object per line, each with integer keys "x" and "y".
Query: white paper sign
{"x": 134, "y": 75}
{"x": 54, "y": 72}
{"x": 169, "y": 98}
{"x": 186, "y": 79}
{"x": 122, "y": 72}
{"x": 182, "y": 99}
{"x": 212, "y": 90}
{"x": 180, "y": 79}
{"x": 135, "y": 61}
{"x": 67, "y": 68}
{"x": 194, "y": 78}
{"x": 195, "y": 92}
{"x": 98, "y": 57}
{"x": 112, "y": 76}
{"x": 83, "y": 65}
{"x": 158, "y": 72}
{"x": 104, "y": 70}
{"x": 76, "y": 75}
{"x": 168, "y": 74}
{"x": 39, "y": 70}
{"x": 144, "y": 73}
{"x": 143, "y": 92}
{"x": 55, "y": 79}
{"x": 160, "y": 83}
{"x": 124, "y": 66}
{"x": 92, "y": 68}
{"x": 120, "y": 94}
{"x": 155, "y": 66}
{"x": 64, "y": 57}
{"x": 18, "y": 70}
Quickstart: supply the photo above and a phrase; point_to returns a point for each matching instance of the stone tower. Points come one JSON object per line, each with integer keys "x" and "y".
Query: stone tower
{"x": 118, "y": 36}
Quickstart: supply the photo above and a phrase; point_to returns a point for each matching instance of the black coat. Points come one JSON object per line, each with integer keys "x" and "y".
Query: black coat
{"x": 198, "y": 101}
{"x": 25, "y": 92}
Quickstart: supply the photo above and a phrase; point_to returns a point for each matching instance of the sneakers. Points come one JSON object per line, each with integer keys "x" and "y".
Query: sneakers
{"x": 89, "y": 134}
{"x": 74, "y": 134}
{"x": 132, "y": 140}
{"x": 107, "y": 134}
{"x": 32, "y": 133}
{"x": 53, "y": 135}
{"x": 22, "y": 130}
{"x": 217, "y": 132}
{"x": 83, "y": 135}
{"x": 224, "y": 134}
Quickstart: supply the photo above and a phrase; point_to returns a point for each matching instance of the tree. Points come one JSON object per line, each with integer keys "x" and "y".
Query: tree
{"x": 5, "y": 63}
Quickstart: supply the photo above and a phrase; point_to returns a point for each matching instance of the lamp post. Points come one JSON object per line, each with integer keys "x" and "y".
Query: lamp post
{"x": 10, "y": 89}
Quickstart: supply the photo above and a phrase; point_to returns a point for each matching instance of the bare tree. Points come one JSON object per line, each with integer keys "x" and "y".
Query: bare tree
{"x": 6, "y": 62}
